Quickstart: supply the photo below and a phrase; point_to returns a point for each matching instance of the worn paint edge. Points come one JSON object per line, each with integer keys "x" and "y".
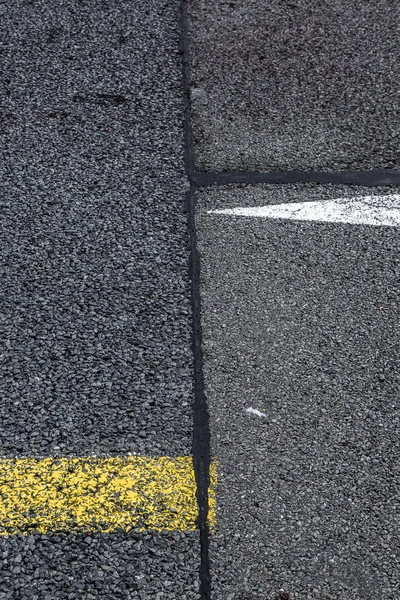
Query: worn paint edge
{"x": 382, "y": 210}
{"x": 88, "y": 495}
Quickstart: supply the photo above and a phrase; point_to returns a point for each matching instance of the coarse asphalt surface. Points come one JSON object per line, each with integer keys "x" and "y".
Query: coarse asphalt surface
{"x": 94, "y": 236}
{"x": 300, "y": 323}
{"x": 294, "y": 84}
{"x": 294, "y": 318}
{"x": 96, "y": 352}
{"x": 96, "y": 349}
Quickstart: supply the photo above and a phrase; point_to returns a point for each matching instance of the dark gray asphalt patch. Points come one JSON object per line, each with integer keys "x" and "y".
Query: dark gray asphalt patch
{"x": 110, "y": 567}
{"x": 295, "y": 85}
{"x": 300, "y": 322}
{"x": 95, "y": 308}
{"x": 95, "y": 298}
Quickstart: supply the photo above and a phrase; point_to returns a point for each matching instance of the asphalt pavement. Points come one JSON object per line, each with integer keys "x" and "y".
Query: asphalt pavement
{"x": 96, "y": 356}
{"x": 299, "y": 315}
{"x": 147, "y": 342}
{"x": 301, "y": 364}
{"x": 294, "y": 84}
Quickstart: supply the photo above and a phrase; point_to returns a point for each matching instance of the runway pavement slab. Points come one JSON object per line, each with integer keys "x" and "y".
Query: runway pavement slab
{"x": 301, "y": 363}
{"x": 285, "y": 84}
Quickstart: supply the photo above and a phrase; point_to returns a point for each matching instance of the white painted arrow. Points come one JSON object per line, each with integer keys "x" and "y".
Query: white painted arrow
{"x": 367, "y": 210}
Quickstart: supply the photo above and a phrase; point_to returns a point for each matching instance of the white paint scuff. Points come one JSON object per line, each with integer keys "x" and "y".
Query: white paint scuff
{"x": 254, "y": 411}
{"x": 367, "y": 210}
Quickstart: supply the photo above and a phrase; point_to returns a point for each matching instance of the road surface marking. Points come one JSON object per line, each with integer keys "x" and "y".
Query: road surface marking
{"x": 254, "y": 411}
{"x": 367, "y": 210}
{"x": 85, "y": 495}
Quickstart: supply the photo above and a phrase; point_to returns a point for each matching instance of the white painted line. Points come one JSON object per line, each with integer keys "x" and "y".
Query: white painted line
{"x": 367, "y": 210}
{"x": 254, "y": 411}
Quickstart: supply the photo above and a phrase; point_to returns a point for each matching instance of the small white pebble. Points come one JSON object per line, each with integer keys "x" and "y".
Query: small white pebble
{"x": 254, "y": 411}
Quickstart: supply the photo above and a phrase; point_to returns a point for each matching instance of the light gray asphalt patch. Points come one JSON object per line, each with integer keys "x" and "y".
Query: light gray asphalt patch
{"x": 300, "y": 322}
{"x": 95, "y": 300}
{"x": 295, "y": 85}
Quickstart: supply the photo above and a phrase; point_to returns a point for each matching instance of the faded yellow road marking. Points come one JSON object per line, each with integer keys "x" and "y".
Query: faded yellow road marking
{"x": 99, "y": 494}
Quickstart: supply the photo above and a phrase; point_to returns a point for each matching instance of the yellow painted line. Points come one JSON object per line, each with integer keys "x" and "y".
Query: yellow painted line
{"x": 100, "y": 494}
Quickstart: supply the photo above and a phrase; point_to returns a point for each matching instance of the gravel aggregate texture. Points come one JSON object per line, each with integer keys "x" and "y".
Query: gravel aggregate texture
{"x": 286, "y": 84}
{"x": 95, "y": 312}
{"x": 300, "y": 324}
{"x": 115, "y": 566}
